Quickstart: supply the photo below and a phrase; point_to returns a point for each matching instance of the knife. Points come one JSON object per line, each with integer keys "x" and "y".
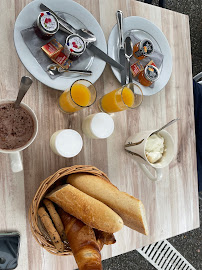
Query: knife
{"x": 104, "y": 56}
{"x": 122, "y": 58}
{"x": 128, "y": 54}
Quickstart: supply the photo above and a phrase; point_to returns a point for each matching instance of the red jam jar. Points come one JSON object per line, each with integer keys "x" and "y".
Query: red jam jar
{"x": 149, "y": 75}
{"x": 143, "y": 49}
{"x": 46, "y": 25}
{"x": 74, "y": 47}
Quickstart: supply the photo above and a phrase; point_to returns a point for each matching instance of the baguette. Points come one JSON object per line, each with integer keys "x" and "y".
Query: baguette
{"x": 89, "y": 210}
{"x": 130, "y": 209}
{"x": 82, "y": 241}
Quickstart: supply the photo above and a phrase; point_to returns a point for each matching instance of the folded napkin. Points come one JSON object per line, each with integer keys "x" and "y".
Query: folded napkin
{"x": 34, "y": 43}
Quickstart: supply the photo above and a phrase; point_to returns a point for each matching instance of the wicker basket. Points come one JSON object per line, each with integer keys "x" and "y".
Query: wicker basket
{"x": 46, "y": 186}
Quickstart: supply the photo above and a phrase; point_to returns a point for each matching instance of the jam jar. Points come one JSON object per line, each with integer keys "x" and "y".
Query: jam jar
{"x": 143, "y": 49}
{"x": 74, "y": 47}
{"x": 149, "y": 75}
{"x": 46, "y": 25}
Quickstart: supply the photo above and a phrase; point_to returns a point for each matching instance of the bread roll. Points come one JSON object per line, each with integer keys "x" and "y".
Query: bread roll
{"x": 130, "y": 209}
{"x": 89, "y": 210}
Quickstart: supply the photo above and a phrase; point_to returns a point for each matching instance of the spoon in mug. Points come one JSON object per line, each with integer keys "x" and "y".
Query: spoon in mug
{"x": 166, "y": 125}
{"x": 24, "y": 86}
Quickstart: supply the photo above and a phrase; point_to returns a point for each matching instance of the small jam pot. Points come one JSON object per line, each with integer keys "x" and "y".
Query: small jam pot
{"x": 149, "y": 75}
{"x": 136, "y": 68}
{"x": 46, "y": 25}
{"x": 74, "y": 47}
{"x": 143, "y": 49}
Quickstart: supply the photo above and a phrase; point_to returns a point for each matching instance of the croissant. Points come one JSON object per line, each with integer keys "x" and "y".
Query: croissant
{"x": 104, "y": 238}
{"x": 82, "y": 241}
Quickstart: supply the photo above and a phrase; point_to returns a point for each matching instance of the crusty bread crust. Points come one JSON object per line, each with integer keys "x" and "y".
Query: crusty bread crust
{"x": 89, "y": 210}
{"x": 130, "y": 209}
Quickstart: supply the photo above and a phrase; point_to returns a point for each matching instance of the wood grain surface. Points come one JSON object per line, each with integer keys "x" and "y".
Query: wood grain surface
{"x": 171, "y": 205}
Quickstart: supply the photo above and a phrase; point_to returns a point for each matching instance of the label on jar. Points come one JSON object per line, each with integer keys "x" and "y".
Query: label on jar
{"x": 75, "y": 44}
{"x": 136, "y": 68}
{"x": 48, "y": 22}
{"x": 151, "y": 73}
{"x": 145, "y": 48}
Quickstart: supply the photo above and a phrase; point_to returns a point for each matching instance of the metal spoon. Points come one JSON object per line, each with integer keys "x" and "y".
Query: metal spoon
{"x": 24, "y": 86}
{"x": 87, "y": 35}
{"x": 128, "y": 54}
{"x": 168, "y": 124}
{"x": 54, "y": 69}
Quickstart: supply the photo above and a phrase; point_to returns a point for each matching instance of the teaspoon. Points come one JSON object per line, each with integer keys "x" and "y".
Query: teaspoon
{"x": 24, "y": 86}
{"x": 166, "y": 125}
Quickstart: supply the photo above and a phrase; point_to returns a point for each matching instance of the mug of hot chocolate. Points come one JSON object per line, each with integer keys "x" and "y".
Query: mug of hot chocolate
{"x": 18, "y": 129}
{"x": 149, "y": 148}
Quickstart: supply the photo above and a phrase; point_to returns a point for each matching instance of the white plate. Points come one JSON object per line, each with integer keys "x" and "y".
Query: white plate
{"x": 144, "y": 29}
{"x": 26, "y": 19}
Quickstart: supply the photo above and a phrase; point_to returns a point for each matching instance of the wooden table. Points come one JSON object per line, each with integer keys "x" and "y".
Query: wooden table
{"x": 171, "y": 205}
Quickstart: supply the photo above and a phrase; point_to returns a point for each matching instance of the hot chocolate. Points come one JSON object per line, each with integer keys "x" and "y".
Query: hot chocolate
{"x": 16, "y": 126}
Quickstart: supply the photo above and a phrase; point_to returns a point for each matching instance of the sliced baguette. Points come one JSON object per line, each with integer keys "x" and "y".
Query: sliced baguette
{"x": 130, "y": 209}
{"x": 89, "y": 210}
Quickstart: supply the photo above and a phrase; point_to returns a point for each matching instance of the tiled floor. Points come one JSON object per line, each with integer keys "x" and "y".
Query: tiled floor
{"x": 188, "y": 244}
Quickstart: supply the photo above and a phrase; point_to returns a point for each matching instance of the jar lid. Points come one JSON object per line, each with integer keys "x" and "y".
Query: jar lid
{"x": 151, "y": 73}
{"x": 102, "y": 125}
{"x": 68, "y": 143}
{"x": 75, "y": 44}
{"x": 146, "y": 47}
{"x": 47, "y": 23}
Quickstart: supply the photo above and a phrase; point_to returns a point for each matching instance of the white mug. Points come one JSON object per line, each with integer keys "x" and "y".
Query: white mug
{"x": 135, "y": 145}
{"x": 14, "y": 154}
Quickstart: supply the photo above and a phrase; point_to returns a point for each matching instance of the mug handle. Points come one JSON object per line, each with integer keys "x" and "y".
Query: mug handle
{"x": 16, "y": 161}
{"x": 158, "y": 173}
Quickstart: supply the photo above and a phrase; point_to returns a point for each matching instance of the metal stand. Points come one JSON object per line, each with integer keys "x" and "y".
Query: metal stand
{"x": 163, "y": 256}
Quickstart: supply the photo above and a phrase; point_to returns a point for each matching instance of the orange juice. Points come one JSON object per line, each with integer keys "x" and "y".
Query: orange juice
{"x": 117, "y": 101}
{"x": 80, "y": 97}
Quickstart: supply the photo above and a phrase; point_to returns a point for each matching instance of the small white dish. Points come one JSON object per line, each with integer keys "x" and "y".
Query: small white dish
{"x": 144, "y": 30}
{"x": 80, "y": 18}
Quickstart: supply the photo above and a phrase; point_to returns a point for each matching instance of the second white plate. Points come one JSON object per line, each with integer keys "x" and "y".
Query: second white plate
{"x": 144, "y": 29}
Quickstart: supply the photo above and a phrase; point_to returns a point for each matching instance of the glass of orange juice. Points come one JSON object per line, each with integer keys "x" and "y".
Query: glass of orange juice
{"x": 81, "y": 94}
{"x": 129, "y": 96}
